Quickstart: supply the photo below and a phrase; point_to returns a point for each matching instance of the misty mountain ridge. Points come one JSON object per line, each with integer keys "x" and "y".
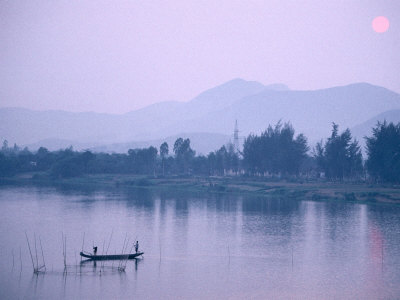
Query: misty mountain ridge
{"x": 212, "y": 112}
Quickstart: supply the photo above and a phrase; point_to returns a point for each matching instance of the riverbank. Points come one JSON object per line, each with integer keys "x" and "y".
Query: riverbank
{"x": 312, "y": 190}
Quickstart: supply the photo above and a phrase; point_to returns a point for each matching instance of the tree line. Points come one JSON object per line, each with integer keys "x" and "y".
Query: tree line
{"x": 276, "y": 152}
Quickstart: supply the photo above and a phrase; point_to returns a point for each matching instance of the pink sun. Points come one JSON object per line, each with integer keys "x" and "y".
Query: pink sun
{"x": 380, "y": 24}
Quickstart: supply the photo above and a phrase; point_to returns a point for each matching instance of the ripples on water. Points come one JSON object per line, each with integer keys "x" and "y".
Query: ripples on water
{"x": 198, "y": 246}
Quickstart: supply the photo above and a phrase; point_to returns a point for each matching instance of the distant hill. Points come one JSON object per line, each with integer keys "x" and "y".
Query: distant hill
{"x": 210, "y": 114}
{"x": 25, "y": 126}
{"x": 202, "y": 143}
{"x": 57, "y": 144}
{"x": 310, "y": 112}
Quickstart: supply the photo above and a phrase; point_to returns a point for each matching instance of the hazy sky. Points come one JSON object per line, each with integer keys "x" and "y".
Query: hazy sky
{"x": 117, "y": 56}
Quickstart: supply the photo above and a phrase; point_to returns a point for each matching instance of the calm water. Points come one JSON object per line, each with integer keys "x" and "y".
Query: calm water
{"x": 197, "y": 246}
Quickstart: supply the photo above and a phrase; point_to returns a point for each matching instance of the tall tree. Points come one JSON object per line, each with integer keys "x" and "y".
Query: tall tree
{"x": 7, "y": 165}
{"x": 223, "y": 160}
{"x": 252, "y": 154}
{"x": 383, "y": 149}
{"x": 340, "y": 156}
{"x": 183, "y": 154}
{"x": 5, "y": 148}
{"x": 143, "y": 161}
{"x": 86, "y": 157}
{"x": 275, "y": 151}
{"x": 163, "y": 153}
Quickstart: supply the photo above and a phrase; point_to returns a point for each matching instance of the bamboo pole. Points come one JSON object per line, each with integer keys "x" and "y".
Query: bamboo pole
{"x": 20, "y": 257}
{"x": 109, "y": 242}
{"x": 37, "y": 261}
{"x": 44, "y": 263}
{"x": 30, "y": 252}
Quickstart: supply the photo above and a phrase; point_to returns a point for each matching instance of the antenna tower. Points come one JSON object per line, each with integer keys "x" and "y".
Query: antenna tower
{"x": 236, "y": 137}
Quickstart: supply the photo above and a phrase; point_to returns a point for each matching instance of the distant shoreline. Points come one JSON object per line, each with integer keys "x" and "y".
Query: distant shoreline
{"x": 250, "y": 186}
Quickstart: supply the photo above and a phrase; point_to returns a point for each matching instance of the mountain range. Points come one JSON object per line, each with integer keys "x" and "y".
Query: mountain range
{"x": 208, "y": 119}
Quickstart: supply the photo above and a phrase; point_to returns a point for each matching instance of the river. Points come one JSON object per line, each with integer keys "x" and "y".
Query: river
{"x": 196, "y": 246}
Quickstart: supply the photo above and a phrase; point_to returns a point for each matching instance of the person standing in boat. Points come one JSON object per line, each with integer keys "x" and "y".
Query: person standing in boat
{"x": 95, "y": 250}
{"x": 137, "y": 246}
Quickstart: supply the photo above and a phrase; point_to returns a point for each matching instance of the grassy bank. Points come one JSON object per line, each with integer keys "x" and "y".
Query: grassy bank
{"x": 312, "y": 190}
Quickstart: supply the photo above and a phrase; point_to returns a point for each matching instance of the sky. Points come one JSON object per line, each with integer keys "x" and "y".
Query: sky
{"x": 119, "y": 56}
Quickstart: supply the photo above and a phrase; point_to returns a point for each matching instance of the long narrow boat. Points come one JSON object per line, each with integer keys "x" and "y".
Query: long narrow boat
{"x": 111, "y": 257}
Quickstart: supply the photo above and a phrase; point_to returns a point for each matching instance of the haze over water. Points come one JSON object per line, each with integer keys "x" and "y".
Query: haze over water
{"x": 198, "y": 246}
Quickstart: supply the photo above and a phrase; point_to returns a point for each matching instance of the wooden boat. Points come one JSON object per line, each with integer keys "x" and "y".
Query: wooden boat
{"x": 111, "y": 257}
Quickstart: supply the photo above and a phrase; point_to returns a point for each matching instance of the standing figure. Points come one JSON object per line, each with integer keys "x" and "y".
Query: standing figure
{"x": 137, "y": 246}
{"x": 95, "y": 250}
